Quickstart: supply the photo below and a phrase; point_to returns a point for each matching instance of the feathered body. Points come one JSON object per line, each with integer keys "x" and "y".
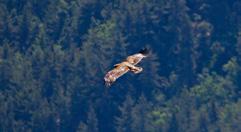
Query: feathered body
{"x": 125, "y": 66}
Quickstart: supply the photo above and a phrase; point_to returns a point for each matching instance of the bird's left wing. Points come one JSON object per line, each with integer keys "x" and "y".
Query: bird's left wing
{"x": 115, "y": 73}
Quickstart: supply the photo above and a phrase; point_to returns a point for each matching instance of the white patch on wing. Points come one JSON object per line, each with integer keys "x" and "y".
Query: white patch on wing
{"x": 140, "y": 55}
{"x": 123, "y": 68}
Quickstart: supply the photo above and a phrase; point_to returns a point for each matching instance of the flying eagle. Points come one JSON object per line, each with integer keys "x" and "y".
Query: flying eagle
{"x": 125, "y": 66}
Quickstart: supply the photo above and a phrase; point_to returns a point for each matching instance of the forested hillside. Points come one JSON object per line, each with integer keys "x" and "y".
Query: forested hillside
{"x": 55, "y": 53}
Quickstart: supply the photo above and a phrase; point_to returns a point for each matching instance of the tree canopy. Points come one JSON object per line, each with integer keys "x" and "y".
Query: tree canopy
{"x": 54, "y": 55}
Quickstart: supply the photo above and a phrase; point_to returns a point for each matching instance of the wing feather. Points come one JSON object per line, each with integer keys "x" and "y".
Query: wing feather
{"x": 135, "y": 59}
{"x": 115, "y": 73}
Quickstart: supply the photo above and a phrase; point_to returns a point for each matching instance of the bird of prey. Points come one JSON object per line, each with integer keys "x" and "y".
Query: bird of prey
{"x": 125, "y": 66}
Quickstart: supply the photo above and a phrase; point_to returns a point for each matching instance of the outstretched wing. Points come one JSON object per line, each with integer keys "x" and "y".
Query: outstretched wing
{"x": 128, "y": 65}
{"x": 119, "y": 70}
{"x": 136, "y": 58}
{"x": 115, "y": 73}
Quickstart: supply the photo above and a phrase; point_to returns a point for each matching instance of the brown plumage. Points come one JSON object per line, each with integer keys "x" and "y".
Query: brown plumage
{"x": 125, "y": 66}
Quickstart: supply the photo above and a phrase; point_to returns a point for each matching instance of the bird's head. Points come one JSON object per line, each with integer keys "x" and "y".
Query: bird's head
{"x": 144, "y": 52}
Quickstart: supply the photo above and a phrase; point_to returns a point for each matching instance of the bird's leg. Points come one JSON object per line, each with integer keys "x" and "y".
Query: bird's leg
{"x": 137, "y": 69}
{"x": 133, "y": 68}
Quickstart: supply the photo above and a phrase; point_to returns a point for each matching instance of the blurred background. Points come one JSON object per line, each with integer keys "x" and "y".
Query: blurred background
{"x": 55, "y": 53}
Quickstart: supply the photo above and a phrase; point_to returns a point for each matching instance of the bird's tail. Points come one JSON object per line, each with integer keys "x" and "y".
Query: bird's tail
{"x": 108, "y": 84}
{"x": 107, "y": 81}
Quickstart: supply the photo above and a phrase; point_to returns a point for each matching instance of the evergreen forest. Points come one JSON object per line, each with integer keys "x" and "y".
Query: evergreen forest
{"x": 54, "y": 55}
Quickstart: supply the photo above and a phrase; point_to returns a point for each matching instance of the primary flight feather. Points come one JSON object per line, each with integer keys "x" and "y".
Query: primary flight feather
{"x": 125, "y": 66}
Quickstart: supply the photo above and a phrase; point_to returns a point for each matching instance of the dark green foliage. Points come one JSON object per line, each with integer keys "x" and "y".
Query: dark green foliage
{"x": 55, "y": 53}
{"x": 125, "y": 120}
{"x": 140, "y": 115}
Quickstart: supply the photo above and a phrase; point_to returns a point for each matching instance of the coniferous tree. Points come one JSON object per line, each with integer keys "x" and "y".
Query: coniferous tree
{"x": 92, "y": 121}
{"x": 124, "y": 121}
{"x": 141, "y": 116}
